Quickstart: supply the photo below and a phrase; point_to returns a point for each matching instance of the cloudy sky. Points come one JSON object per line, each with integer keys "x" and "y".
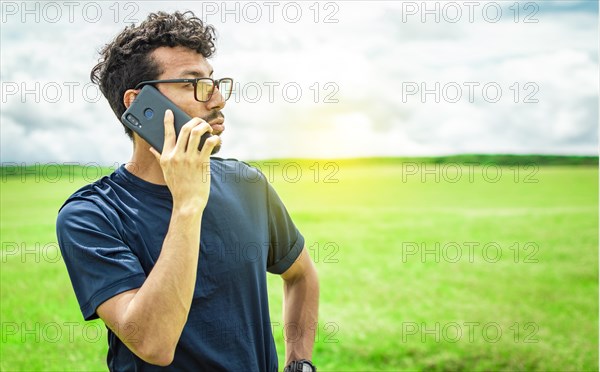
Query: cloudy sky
{"x": 326, "y": 79}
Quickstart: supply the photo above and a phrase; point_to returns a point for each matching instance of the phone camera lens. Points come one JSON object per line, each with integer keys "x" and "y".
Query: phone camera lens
{"x": 148, "y": 113}
{"x": 133, "y": 120}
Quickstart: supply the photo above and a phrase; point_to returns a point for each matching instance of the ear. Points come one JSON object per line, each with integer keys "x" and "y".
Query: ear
{"x": 129, "y": 96}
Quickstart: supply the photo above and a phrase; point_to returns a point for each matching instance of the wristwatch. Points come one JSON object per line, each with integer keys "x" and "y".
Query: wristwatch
{"x": 301, "y": 365}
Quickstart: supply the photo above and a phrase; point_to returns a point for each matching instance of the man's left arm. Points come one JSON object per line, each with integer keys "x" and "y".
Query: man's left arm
{"x": 301, "y": 307}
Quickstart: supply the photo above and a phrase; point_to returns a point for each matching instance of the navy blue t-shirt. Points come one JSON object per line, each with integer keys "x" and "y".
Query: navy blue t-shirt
{"x": 111, "y": 233}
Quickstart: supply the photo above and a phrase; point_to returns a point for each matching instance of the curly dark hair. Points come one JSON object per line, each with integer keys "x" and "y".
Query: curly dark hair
{"x": 126, "y": 61}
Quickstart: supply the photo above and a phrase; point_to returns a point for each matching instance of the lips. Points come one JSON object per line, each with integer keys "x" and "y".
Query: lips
{"x": 217, "y": 126}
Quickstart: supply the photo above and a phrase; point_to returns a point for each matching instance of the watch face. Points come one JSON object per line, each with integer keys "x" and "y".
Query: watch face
{"x": 306, "y": 368}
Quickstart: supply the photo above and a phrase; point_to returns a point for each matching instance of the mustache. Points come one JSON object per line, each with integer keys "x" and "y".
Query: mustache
{"x": 214, "y": 115}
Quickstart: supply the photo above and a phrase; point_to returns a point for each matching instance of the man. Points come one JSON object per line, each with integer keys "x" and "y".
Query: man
{"x": 171, "y": 250}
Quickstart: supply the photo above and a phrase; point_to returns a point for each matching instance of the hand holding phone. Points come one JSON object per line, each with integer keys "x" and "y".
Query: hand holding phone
{"x": 186, "y": 170}
{"x": 188, "y": 180}
{"x": 146, "y": 114}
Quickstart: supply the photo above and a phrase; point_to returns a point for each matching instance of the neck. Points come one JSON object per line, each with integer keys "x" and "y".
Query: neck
{"x": 144, "y": 165}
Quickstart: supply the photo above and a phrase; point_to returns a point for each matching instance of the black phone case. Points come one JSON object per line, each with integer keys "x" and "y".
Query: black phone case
{"x": 151, "y": 127}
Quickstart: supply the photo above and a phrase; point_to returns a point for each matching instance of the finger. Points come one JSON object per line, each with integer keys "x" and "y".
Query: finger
{"x": 155, "y": 153}
{"x": 196, "y": 135}
{"x": 169, "y": 121}
{"x": 184, "y": 134}
{"x": 209, "y": 145}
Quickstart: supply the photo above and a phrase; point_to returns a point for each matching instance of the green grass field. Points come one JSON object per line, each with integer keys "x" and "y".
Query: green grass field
{"x": 477, "y": 270}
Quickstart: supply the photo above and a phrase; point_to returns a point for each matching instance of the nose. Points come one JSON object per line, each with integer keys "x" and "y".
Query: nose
{"x": 216, "y": 101}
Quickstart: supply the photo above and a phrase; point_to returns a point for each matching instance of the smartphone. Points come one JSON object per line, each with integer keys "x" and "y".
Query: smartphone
{"x": 146, "y": 115}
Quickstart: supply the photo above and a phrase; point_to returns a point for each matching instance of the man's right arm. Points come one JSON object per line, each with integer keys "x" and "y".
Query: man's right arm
{"x": 150, "y": 319}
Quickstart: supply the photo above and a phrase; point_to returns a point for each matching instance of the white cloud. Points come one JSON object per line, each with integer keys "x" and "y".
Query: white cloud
{"x": 366, "y": 56}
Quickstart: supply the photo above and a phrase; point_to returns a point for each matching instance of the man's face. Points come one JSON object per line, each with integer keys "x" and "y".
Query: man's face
{"x": 181, "y": 62}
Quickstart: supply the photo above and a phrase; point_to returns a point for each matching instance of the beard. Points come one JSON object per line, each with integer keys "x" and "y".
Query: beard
{"x": 212, "y": 116}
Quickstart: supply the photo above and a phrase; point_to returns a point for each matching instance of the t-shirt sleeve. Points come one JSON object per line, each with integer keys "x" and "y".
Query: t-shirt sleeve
{"x": 285, "y": 241}
{"x": 99, "y": 263}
